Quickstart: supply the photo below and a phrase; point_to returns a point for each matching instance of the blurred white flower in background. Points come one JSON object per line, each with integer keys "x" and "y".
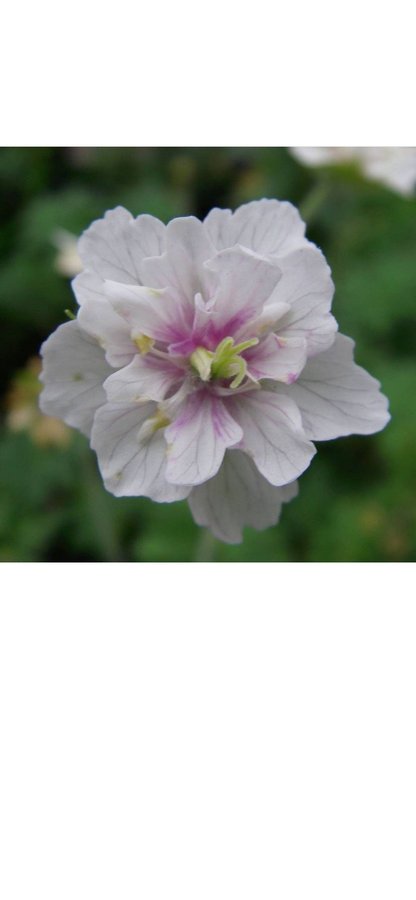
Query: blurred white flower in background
{"x": 204, "y": 361}
{"x": 392, "y": 166}
{"x": 67, "y": 261}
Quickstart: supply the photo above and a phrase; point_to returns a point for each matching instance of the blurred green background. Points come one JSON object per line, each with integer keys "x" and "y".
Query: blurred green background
{"x": 357, "y": 499}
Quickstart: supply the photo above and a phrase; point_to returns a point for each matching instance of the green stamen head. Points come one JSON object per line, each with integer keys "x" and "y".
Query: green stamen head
{"x": 225, "y": 362}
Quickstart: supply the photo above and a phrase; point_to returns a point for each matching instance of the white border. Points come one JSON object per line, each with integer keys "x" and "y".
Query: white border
{"x": 221, "y": 75}
{"x": 231, "y": 731}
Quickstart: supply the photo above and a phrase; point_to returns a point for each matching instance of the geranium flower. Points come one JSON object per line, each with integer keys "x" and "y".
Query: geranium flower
{"x": 204, "y": 361}
{"x": 393, "y": 166}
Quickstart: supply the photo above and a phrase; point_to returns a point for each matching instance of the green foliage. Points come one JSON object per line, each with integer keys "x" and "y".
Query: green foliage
{"x": 356, "y": 502}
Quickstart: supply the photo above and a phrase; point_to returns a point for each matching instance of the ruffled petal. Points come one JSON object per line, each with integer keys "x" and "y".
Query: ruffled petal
{"x": 273, "y": 434}
{"x": 269, "y": 227}
{"x": 74, "y": 368}
{"x": 247, "y": 281}
{"x": 146, "y": 378}
{"x": 131, "y": 456}
{"x": 198, "y": 439}
{"x": 148, "y": 311}
{"x": 269, "y": 319}
{"x": 98, "y": 318}
{"x": 218, "y": 225}
{"x": 182, "y": 266}
{"x": 238, "y": 496}
{"x": 336, "y": 397}
{"x": 306, "y": 285}
{"x": 278, "y": 358}
{"x": 115, "y": 246}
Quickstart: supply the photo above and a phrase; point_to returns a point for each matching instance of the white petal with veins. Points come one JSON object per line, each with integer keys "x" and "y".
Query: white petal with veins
{"x": 74, "y": 369}
{"x": 198, "y": 439}
{"x": 237, "y": 496}
{"x": 273, "y": 435}
{"x": 146, "y": 378}
{"x": 307, "y": 287}
{"x": 132, "y": 460}
{"x": 336, "y": 397}
{"x": 269, "y": 227}
{"x": 246, "y": 282}
{"x": 115, "y": 246}
{"x": 279, "y": 358}
{"x": 98, "y": 318}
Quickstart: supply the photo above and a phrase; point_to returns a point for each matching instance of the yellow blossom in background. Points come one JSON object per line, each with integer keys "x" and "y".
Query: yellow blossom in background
{"x": 23, "y": 413}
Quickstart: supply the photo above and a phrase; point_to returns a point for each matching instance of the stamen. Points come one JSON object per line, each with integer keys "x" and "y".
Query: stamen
{"x": 245, "y": 345}
{"x": 201, "y": 360}
{"x": 143, "y": 343}
{"x": 240, "y": 368}
{"x": 225, "y": 362}
{"x": 159, "y": 420}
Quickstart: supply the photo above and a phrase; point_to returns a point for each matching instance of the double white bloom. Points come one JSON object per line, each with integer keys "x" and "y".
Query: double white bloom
{"x": 204, "y": 361}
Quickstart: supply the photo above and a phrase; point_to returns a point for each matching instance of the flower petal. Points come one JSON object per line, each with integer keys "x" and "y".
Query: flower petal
{"x": 269, "y": 319}
{"x": 238, "y": 496}
{"x": 336, "y": 397}
{"x": 132, "y": 463}
{"x": 246, "y": 282}
{"x": 198, "y": 439}
{"x": 74, "y": 368}
{"x": 115, "y": 246}
{"x": 98, "y": 318}
{"x": 279, "y": 358}
{"x": 269, "y": 227}
{"x": 218, "y": 225}
{"x": 273, "y": 434}
{"x": 182, "y": 268}
{"x": 146, "y": 378}
{"x": 307, "y": 286}
{"x": 151, "y": 312}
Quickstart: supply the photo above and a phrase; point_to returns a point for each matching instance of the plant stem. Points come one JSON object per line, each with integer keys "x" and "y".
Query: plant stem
{"x": 101, "y": 520}
{"x": 205, "y": 547}
{"x": 313, "y": 202}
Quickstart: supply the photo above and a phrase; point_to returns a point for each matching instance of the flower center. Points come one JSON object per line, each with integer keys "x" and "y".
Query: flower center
{"x": 224, "y": 362}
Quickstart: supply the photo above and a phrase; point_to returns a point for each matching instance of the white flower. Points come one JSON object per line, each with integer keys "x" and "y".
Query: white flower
{"x": 204, "y": 361}
{"x": 393, "y": 166}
